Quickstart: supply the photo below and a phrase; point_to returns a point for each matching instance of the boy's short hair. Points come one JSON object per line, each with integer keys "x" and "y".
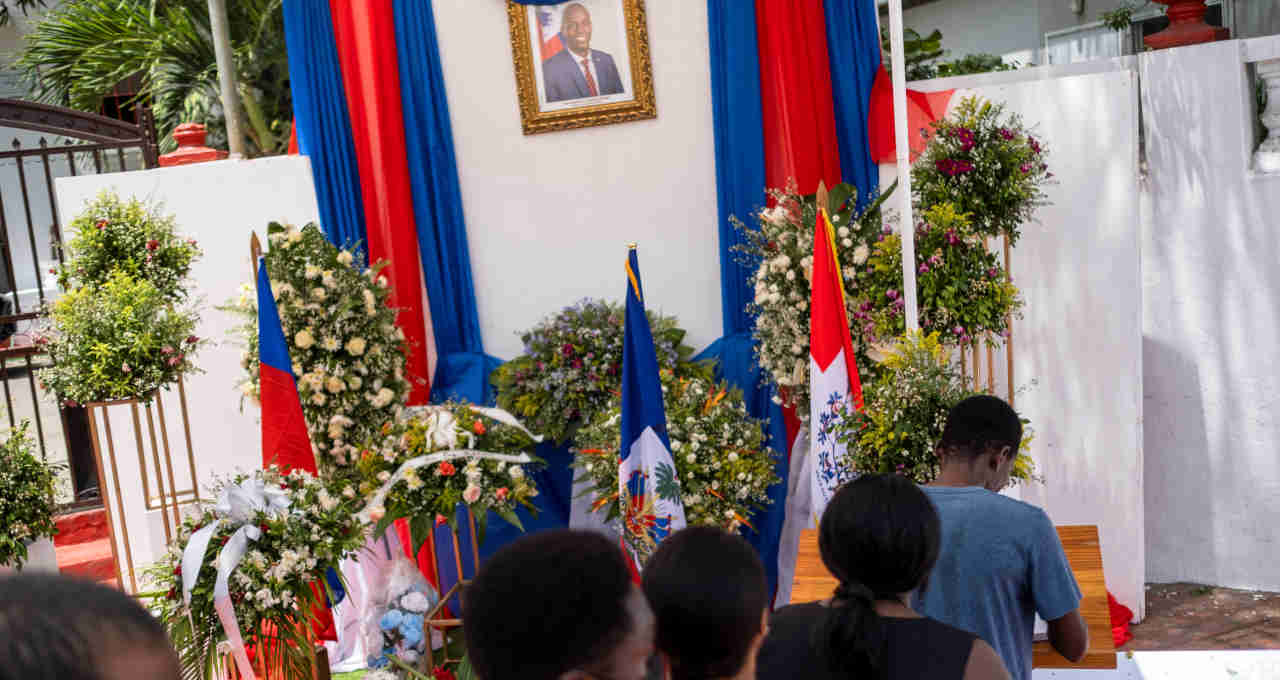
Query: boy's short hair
{"x": 980, "y": 423}
{"x": 708, "y": 590}
{"x": 546, "y": 604}
{"x": 54, "y": 627}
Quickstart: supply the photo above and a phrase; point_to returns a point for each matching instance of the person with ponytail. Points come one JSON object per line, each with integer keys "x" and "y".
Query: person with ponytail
{"x": 707, "y": 589}
{"x": 880, "y": 538}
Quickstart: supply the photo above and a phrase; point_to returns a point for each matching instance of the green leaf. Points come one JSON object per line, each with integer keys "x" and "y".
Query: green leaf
{"x": 482, "y": 522}
{"x": 275, "y": 228}
{"x": 510, "y": 516}
{"x": 420, "y": 529}
{"x": 465, "y": 671}
{"x": 838, "y": 195}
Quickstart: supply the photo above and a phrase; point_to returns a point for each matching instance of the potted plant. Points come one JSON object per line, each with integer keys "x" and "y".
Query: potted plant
{"x": 121, "y": 334}
{"x": 26, "y": 505}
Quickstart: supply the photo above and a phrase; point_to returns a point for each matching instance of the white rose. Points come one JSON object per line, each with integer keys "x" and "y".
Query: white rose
{"x": 732, "y": 456}
{"x": 847, "y": 243}
{"x": 843, "y": 231}
{"x": 354, "y": 382}
{"x": 319, "y": 399}
{"x": 335, "y": 385}
{"x": 294, "y": 235}
{"x": 691, "y": 458}
{"x": 312, "y": 272}
{"x": 517, "y": 472}
{"x": 860, "y": 255}
{"x": 472, "y": 494}
{"x": 304, "y": 339}
{"x": 384, "y": 476}
{"x": 356, "y": 346}
{"x": 382, "y": 282}
{"x": 330, "y": 344}
{"x": 329, "y": 281}
{"x": 319, "y": 293}
{"x": 345, "y": 257}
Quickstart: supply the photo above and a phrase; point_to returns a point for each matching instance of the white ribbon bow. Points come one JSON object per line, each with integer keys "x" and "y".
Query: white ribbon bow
{"x": 238, "y": 505}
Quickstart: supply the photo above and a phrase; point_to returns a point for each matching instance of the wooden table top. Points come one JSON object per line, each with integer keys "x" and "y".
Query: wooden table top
{"x": 1084, "y": 552}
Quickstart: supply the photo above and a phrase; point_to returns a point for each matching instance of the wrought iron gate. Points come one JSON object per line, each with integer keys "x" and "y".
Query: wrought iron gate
{"x": 47, "y": 143}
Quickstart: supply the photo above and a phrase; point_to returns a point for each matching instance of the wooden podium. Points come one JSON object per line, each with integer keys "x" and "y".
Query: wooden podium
{"x": 1084, "y": 552}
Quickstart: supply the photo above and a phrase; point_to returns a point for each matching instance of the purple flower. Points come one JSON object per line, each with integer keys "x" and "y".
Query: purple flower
{"x": 891, "y": 294}
{"x": 923, "y": 268}
{"x": 1007, "y": 134}
{"x": 952, "y": 167}
{"x": 886, "y": 230}
{"x": 991, "y": 273}
{"x": 567, "y": 350}
{"x": 1035, "y": 146}
{"x": 1026, "y": 168}
{"x": 953, "y": 239}
{"x": 967, "y": 140}
{"x": 935, "y": 260}
{"x": 958, "y": 330}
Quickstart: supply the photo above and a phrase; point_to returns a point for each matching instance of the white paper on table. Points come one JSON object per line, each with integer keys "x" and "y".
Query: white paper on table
{"x": 1041, "y": 632}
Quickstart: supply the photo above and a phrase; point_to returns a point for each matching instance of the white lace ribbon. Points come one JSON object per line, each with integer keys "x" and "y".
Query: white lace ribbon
{"x": 237, "y": 505}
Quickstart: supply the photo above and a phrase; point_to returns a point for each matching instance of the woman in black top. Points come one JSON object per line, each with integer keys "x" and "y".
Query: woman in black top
{"x": 879, "y": 537}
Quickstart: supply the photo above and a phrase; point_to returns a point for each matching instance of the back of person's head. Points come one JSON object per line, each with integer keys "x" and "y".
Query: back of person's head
{"x": 708, "y": 591}
{"x": 556, "y": 603}
{"x": 54, "y": 627}
{"x": 979, "y": 424}
{"x": 879, "y": 537}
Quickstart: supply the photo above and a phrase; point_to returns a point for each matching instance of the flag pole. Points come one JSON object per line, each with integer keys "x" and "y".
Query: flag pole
{"x": 907, "y": 222}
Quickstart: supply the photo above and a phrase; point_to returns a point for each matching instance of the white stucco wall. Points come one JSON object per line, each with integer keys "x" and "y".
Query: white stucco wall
{"x": 1078, "y": 349}
{"x": 218, "y": 204}
{"x": 1211, "y": 318}
{"x": 549, "y": 216}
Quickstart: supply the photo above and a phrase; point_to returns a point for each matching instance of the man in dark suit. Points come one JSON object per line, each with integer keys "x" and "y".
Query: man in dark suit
{"x": 578, "y": 71}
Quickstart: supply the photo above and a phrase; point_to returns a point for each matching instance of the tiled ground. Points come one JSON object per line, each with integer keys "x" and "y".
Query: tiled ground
{"x": 1187, "y": 616}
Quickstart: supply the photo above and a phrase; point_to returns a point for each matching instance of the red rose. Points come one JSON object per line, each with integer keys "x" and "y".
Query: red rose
{"x": 102, "y": 224}
{"x": 173, "y": 594}
{"x": 442, "y": 673}
{"x": 441, "y": 519}
{"x": 225, "y": 539}
{"x": 177, "y": 571}
{"x": 191, "y": 339}
{"x": 446, "y": 469}
{"x": 264, "y": 528}
{"x": 501, "y": 493}
{"x": 478, "y": 427}
{"x": 153, "y": 244}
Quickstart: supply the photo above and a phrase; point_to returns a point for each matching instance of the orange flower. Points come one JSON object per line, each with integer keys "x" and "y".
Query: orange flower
{"x": 478, "y": 427}
{"x": 446, "y": 469}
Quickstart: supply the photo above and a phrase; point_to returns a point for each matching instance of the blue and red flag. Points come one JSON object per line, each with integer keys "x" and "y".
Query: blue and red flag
{"x": 285, "y": 441}
{"x": 649, "y": 488}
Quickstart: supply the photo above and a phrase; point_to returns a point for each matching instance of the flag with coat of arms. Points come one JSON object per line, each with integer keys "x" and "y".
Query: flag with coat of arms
{"x": 649, "y": 487}
{"x": 833, "y": 372}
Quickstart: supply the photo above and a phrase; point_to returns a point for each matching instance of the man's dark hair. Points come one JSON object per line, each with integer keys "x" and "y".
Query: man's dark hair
{"x": 981, "y": 423}
{"x": 53, "y": 627}
{"x": 547, "y": 604}
{"x": 708, "y": 591}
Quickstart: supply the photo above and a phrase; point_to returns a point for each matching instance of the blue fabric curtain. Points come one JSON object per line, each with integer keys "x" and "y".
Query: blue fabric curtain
{"x": 853, "y": 46}
{"x": 324, "y": 126}
{"x": 740, "y": 185}
{"x": 462, "y": 368}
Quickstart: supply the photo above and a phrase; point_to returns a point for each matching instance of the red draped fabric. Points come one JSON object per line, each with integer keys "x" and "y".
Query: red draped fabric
{"x": 799, "y": 113}
{"x": 365, "y": 34}
{"x": 923, "y": 110}
{"x": 795, "y": 92}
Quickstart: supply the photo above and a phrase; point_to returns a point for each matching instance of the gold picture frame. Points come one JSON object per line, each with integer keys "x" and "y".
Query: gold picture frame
{"x": 546, "y": 81}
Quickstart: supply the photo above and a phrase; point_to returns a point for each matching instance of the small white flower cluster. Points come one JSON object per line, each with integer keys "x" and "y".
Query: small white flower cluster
{"x": 781, "y": 245}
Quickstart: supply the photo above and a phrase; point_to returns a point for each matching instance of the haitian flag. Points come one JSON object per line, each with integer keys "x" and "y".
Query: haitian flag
{"x": 833, "y": 373}
{"x": 285, "y": 441}
{"x": 648, "y": 486}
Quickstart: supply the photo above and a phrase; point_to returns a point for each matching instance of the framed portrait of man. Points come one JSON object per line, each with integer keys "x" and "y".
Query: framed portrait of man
{"x": 581, "y": 63}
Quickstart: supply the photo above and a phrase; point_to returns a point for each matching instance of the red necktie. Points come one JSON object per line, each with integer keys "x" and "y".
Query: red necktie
{"x": 591, "y": 82}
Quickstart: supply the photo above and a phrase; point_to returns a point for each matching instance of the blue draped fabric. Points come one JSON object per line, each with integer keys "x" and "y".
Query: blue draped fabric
{"x": 324, "y": 126}
{"x": 853, "y": 46}
{"x": 740, "y": 185}
{"x": 462, "y": 367}
{"x": 555, "y": 496}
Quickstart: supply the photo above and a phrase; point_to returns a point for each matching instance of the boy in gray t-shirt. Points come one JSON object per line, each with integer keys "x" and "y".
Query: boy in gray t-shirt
{"x": 1001, "y": 561}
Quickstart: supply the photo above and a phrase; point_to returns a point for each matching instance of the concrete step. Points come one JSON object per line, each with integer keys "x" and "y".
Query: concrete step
{"x": 91, "y": 560}
{"x": 81, "y": 527}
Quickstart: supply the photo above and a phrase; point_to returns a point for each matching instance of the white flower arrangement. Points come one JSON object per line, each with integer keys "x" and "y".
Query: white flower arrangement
{"x": 347, "y": 352}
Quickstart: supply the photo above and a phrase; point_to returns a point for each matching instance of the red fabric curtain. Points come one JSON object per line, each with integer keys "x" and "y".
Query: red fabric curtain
{"x": 365, "y": 33}
{"x": 800, "y": 140}
{"x": 795, "y": 92}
